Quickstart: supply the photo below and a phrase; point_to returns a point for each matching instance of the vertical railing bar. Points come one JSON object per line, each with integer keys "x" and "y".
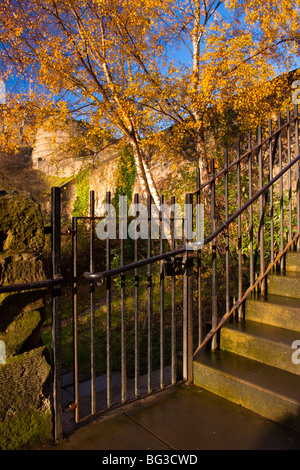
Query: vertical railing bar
{"x": 108, "y": 311}
{"x": 75, "y": 322}
{"x": 173, "y": 304}
{"x": 240, "y": 278}
{"x": 56, "y": 313}
{"x": 281, "y": 194}
{"x": 122, "y": 209}
{"x": 188, "y": 295}
{"x": 297, "y": 169}
{"x": 136, "y": 313}
{"x": 214, "y": 256}
{"x": 150, "y": 297}
{"x": 199, "y": 299}
{"x": 184, "y": 309}
{"x": 289, "y": 175}
{"x": 162, "y": 297}
{"x": 261, "y": 214}
{"x": 250, "y": 213}
{"x": 227, "y": 280}
{"x": 92, "y": 303}
{"x": 190, "y": 300}
{"x": 271, "y": 194}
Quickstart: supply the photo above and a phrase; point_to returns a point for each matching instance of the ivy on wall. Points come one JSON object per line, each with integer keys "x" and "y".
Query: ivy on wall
{"x": 125, "y": 175}
{"x": 124, "y": 183}
{"x": 81, "y": 204}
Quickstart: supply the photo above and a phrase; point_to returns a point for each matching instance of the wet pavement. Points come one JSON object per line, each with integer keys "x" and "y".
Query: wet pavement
{"x": 181, "y": 418}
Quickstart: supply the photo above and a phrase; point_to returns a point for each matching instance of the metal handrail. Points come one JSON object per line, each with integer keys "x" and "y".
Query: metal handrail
{"x": 94, "y": 277}
{"x": 30, "y": 285}
{"x": 246, "y": 154}
{"x": 250, "y": 289}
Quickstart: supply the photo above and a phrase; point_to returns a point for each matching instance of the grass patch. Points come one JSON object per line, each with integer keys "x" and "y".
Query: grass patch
{"x": 84, "y": 330}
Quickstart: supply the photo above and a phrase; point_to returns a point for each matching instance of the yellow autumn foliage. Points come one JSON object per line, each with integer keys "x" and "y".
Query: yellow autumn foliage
{"x": 132, "y": 69}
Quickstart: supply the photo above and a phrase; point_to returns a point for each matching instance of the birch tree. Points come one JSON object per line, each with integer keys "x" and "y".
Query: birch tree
{"x": 100, "y": 57}
{"x": 236, "y": 52}
{"x": 117, "y": 64}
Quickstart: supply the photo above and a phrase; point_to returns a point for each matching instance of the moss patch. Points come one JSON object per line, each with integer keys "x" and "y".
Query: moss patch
{"x": 21, "y": 223}
{"x": 25, "y": 411}
{"x": 26, "y": 431}
{"x": 81, "y": 204}
{"x": 19, "y": 332}
{"x": 125, "y": 175}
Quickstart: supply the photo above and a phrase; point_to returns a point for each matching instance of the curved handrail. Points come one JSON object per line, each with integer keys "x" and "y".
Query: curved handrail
{"x": 250, "y": 289}
{"x": 31, "y": 285}
{"x": 246, "y": 154}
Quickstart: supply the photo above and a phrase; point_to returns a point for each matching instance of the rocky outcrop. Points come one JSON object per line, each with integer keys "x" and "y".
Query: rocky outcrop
{"x": 21, "y": 223}
{"x": 25, "y": 412}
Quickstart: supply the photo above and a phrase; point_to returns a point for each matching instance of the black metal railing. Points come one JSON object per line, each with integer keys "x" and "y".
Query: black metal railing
{"x": 260, "y": 216}
{"x": 154, "y": 278}
{"x": 164, "y": 303}
{"x": 265, "y": 248}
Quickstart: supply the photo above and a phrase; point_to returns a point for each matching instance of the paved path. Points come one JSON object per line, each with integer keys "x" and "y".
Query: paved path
{"x": 182, "y": 418}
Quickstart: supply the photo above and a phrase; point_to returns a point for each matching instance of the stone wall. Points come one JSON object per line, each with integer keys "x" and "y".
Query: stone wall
{"x": 50, "y": 154}
{"x": 25, "y": 373}
{"x": 102, "y": 177}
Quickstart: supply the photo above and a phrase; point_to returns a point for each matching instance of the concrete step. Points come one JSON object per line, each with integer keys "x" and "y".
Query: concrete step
{"x": 275, "y": 310}
{"x": 265, "y": 390}
{"x": 292, "y": 261}
{"x": 286, "y": 284}
{"x": 263, "y": 343}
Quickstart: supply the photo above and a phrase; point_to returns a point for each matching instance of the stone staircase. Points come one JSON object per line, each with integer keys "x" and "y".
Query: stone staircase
{"x": 253, "y": 366}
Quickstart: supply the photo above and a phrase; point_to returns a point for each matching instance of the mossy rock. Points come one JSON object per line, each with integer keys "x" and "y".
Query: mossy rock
{"x": 23, "y": 333}
{"x": 18, "y": 303}
{"x": 24, "y": 382}
{"x": 25, "y": 410}
{"x": 21, "y": 313}
{"x": 21, "y": 223}
{"x": 27, "y": 431}
{"x": 20, "y": 268}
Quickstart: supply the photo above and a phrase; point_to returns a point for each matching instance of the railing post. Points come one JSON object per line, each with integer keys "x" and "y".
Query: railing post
{"x": 162, "y": 296}
{"x": 123, "y": 215}
{"x": 92, "y": 303}
{"x": 56, "y": 313}
{"x": 108, "y": 311}
{"x": 251, "y": 264}
{"x": 150, "y": 296}
{"x": 188, "y": 299}
{"x": 199, "y": 299}
{"x": 271, "y": 195}
{"x": 136, "y": 314}
{"x": 173, "y": 297}
{"x": 240, "y": 248}
{"x": 297, "y": 170}
{"x": 289, "y": 175}
{"x": 75, "y": 319}
{"x": 227, "y": 280}
{"x": 281, "y": 195}
{"x": 214, "y": 256}
{"x": 261, "y": 215}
